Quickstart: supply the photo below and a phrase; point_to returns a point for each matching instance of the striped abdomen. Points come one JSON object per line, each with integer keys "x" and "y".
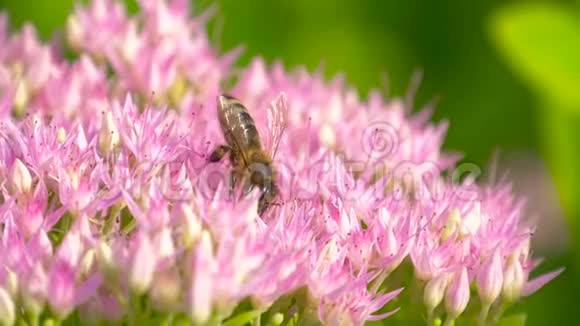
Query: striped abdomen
{"x": 237, "y": 125}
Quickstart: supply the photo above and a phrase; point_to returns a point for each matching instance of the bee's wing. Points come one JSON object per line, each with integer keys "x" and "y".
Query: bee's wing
{"x": 277, "y": 120}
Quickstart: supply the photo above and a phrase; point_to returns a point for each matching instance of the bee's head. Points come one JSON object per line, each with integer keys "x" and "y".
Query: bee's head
{"x": 260, "y": 174}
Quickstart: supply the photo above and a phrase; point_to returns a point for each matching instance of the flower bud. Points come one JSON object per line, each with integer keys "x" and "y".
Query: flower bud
{"x": 12, "y": 283}
{"x": 61, "y": 135}
{"x": 200, "y": 296}
{"x": 457, "y": 296}
{"x": 21, "y": 178}
{"x": 513, "y": 280}
{"x": 129, "y": 48}
{"x": 471, "y": 221}
{"x": 393, "y": 248}
{"x": 490, "y": 279}
{"x": 34, "y": 290}
{"x": 523, "y": 249}
{"x": 166, "y": 291}
{"x": 423, "y": 267}
{"x": 177, "y": 91}
{"x": 42, "y": 247}
{"x": 21, "y": 98}
{"x": 389, "y": 245}
{"x": 87, "y": 262}
{"x": 74, "y": 32}
{"x": 326, "y": 136}
{"x": 62, "y": 289}
{"x": 329, "y": 252}
{"x": 7, "y": 309}
{"x": 34, "y": 219}
{"x": 164, "y": 243}
{"x": 143, "y": 266}
{"x": 105, "y": 260}
{"x": 451, "y": 225}
{"x": 191, "y": 225}
{"x": 434, "y": 291}
{"x": 109, "y": 135}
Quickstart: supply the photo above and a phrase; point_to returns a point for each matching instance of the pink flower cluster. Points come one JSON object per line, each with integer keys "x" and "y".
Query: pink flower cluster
{"x": 110, "y": 211}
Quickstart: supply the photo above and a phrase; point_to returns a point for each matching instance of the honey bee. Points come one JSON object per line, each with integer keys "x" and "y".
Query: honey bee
{"x": 251, "y": 165}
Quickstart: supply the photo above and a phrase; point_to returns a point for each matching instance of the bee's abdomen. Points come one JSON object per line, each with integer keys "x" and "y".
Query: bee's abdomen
{"x": 237, "y": 122}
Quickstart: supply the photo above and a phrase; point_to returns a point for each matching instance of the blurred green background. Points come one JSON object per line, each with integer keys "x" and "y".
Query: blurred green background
{"x": 507, "y": 73}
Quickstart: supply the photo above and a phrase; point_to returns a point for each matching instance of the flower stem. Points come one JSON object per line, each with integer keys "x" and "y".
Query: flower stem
{"x": 430, "y": 317}
{"x": 379, "y": 281}
{"x": 497, "y": 312}
{"x": 449, "y": 322}
{"x": 110, "y": 220}
{"x": 120, "y": 297}
{"x": 483, "y": 314}
{"x": 129, "y": 227}
{"x": 168, "y": 320}
{"x": 417, "y": 287}
{"x": 32, "y": 319}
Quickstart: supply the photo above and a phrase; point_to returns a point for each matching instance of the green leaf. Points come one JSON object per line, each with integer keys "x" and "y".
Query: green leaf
{"x": 513, "y": 320}
{"x": 560, "y": 137}
{"x": 541, "y": 43}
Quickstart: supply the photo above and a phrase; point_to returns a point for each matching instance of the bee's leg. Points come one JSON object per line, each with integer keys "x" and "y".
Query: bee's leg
{"x": 262, "y": 205}
{"x": 248, "y": 186}
{"x": 218, "y": 153}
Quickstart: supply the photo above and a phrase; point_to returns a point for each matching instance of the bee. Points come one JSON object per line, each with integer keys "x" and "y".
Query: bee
{"x": 251, "y": 165}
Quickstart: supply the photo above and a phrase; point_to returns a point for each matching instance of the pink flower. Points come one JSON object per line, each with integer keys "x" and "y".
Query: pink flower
{"x": 364, "y": 132}
{"x": 21, "y": 178}
{"x": 353, "y": 305}
{"x": 490, "y": 278}
{"x": 62, "y": 289}
{"x": 106, "y": 16}
{"x": 142, "y": 265}
{"x": 7, "y": 308}
{"x": 34, "y": 288}
{"x": 201, "y": 283}
{"x": 434, "y": 292}
{"x": 109, "y": 200}
{"x": 457, "y": 295}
